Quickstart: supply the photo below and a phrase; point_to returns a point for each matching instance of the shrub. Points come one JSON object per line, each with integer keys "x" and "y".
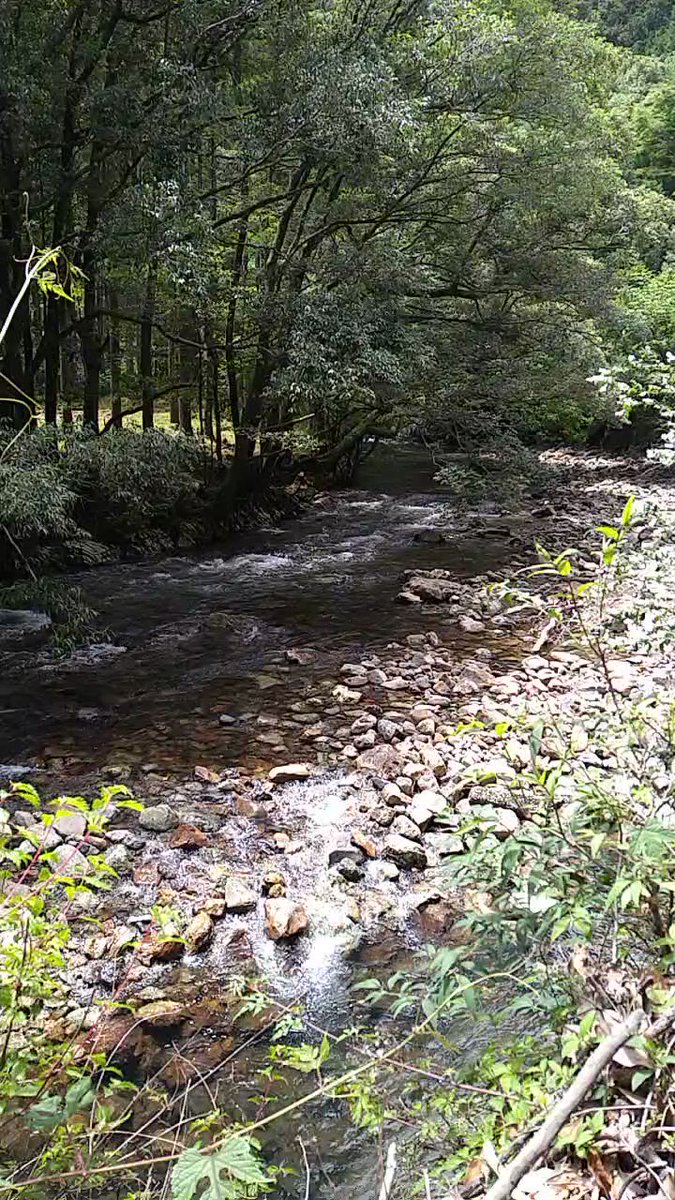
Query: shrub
{"x": 66, "y": 499}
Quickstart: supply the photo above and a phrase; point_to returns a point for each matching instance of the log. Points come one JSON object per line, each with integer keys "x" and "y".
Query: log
{"x": 561, "y": 1112}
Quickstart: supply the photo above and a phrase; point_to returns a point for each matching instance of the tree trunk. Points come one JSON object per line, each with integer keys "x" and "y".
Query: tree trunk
{"x": 92, "y": 355}
{"x": 52, "y": 355}
{"x": 115, "y": 362}
{"x": 147, "y": 318}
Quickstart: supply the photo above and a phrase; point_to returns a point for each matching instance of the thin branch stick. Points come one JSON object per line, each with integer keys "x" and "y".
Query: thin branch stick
{"x": 537, "y": 1145}
{"x": 308, "y": 1175}
{"x": 389, "y": 1172}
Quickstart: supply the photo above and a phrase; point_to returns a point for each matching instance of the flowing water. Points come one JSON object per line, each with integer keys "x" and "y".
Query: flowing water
{"x": 204, "y": 634}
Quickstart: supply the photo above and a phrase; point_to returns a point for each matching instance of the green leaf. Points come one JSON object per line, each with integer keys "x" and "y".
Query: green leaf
{"x": 80, "y": 1094}
{"x": 222, "y": 1171}
{"x": 608, "y": 531}
{"x": 627, "y": 512}
{"x": 46, "y": 1114}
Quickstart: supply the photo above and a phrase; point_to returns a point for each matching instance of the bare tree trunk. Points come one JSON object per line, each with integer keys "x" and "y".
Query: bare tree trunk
{"x": 115, "y": 361}
{"x": 147, "y": 318}
{"x": 92, "y": 349}
{"x": 52, "y": 322}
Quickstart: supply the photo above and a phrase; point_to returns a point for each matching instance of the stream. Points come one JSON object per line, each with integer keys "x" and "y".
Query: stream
{"x": 204, "y": 634}
{"x": 208, "y": 654}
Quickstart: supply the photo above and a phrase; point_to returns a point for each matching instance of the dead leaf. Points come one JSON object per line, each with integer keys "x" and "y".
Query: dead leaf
{"x": 549, "y": 1183}
{"x": 601, "y": 1171}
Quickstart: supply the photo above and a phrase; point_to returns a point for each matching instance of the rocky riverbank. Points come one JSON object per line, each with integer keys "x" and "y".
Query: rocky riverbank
{"x": 398, "y": 751}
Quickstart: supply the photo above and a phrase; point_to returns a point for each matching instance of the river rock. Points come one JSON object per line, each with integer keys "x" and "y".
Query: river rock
{"x": 444, "y": 844}
{"x": 383, "y": 816}
{"x": 392, "y": 795}
{"x": 380, "y": 760}
{"x": 406, "y": 828}
{"x": 188, "y": 837}
{"x": 215, "y": 906}
{"x": 432, "y": 591}
{"x": 408, "y": 597}
{"x": 387, "y": 871}
{"x": 345, "y": 695}
{"x": 158, "y": 818}
{"x": 432, "y": 759}
{"x": 304, "y": 656}
{"x": 70, "y": 825}
{"x": 239, "y": 895}
{"x": 289, "y": 773}
{"x": 377, "y": 676}
{"x": 432, "y": 800}
{"x": 161, "y": 1014}
{"x": 353, "y": 669}
{"x": 44, "y": 836}
{"x": 284, "y": 918}
{"x": 404, "y": 852}
{"x": 160, "y": 948}
{"x": 350, "y": 871}
{"x": 506, "y": 822}
{"x": 227, "y": 720}
{"x": 387, "y": 729}
{"x": 420, "y": 816}
{"x": 119, "y": 858}
{"x": 69, "y": 862}
{"x": 199, "y": 932}
{"x": 364, "y": 843}
{"x": 470, "y": 624}
{"x": 340, "y": 854}
{"x": 363, "y": 723}
{"x": 405, "y": 784}
{"x": 364, "y": 741}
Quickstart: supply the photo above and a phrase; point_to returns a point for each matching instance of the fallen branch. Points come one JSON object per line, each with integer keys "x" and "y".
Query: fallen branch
{"x": 390, "y": 1171}
{"x": 561, "y": 1112}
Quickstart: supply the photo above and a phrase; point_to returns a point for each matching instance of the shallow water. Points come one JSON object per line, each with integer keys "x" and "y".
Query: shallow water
{"x": 201, "y": 634}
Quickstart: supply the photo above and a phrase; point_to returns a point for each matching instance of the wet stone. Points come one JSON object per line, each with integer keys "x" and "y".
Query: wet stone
{"x": 158, "y": 818}
{"x": 404, "y": 852}
{"x": 239, "y": 895}
{"x": 284, "y": 918}
{"x": 406, "y": 828}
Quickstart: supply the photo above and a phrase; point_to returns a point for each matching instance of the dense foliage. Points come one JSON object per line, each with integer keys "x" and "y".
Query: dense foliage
{"x": 323, "y": 218}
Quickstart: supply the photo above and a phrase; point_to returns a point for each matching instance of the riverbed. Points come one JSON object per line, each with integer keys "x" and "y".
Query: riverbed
{"x": 216, "y": 661}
